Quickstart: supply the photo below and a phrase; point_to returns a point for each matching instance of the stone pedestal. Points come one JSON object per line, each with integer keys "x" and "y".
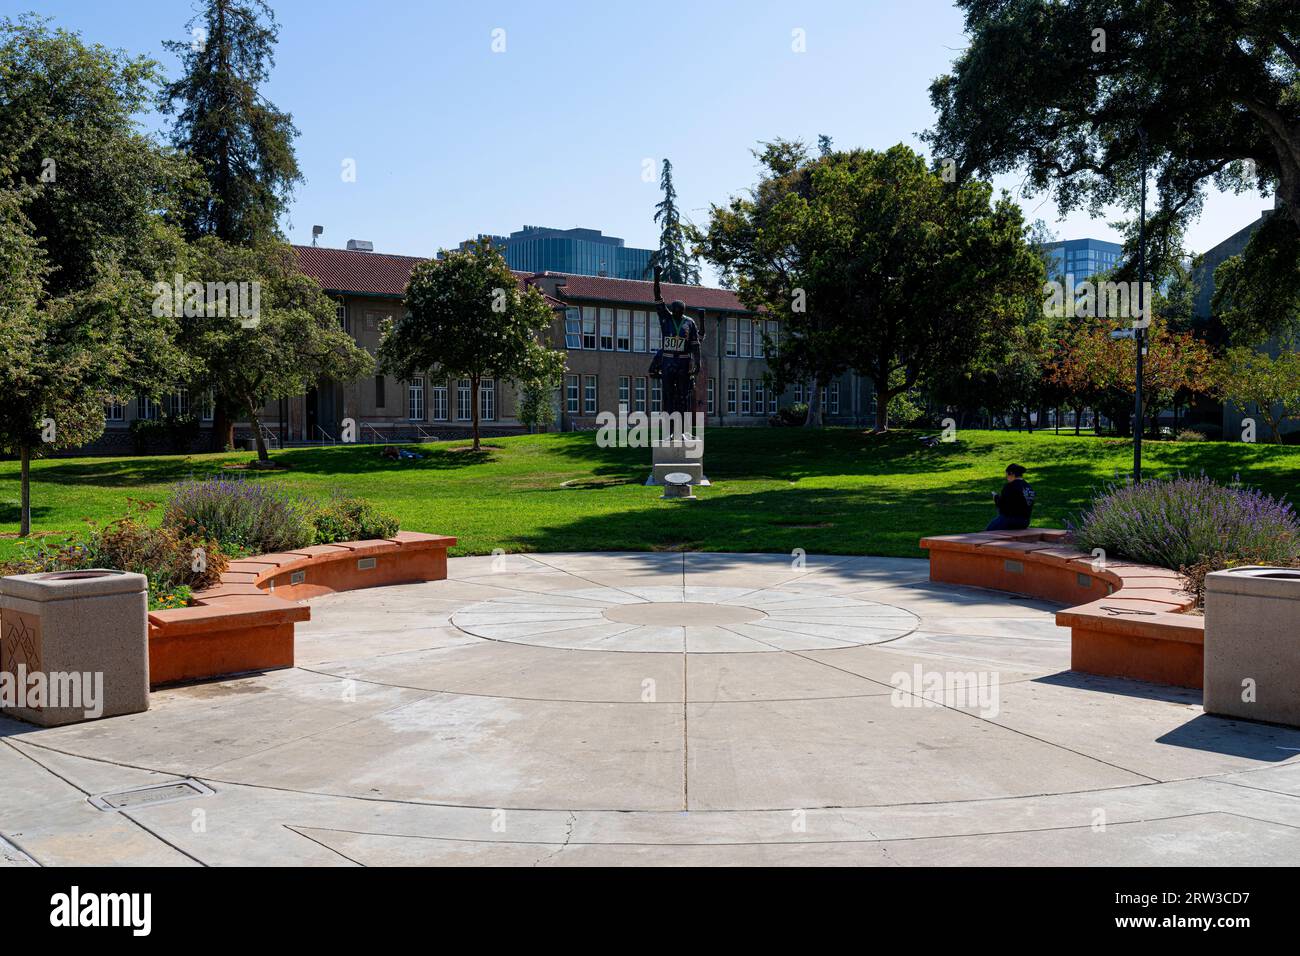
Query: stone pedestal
{"x": 680, "y": 454}
{"x": 1252, "y": 644}
{"x": 82, "y": 636}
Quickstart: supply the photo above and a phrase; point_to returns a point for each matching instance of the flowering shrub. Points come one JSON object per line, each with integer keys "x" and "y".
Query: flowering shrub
{"x": 175, "y": 562}
{"x": 1182, "y": 522}
{"x": 351, "y": 519}
{"x": 248, "y": 517}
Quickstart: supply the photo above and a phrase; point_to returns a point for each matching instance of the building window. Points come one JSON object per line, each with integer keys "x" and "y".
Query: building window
{"x": 607, "y": 330}
{"x": 345, "y": 320}
{"x": 487, "y": 400}
{"x": 656, "y": 395}
{"x": 380, "y": 398}
{"x": 464, "y": 410}
{"x": 656, "y": 333}
{"x": 415, "y": 399}
{"x": 207, "y": 406}
{"x": 178, "y": 402}
{"x": 758, "y": 396}
{"x": 623, "y": 331}
{"x": 589, "y": 394}
{"x": 624, "y": 392}
{"x": 771, "y": 400}
{"x": 773, "y": 336}
{"x": 731, "y": 396}
{"x": 798, "y": 393}
{"x": 638, "y": 332}
{"x": 744, "y": 396}
{"x": 438, "y": 396}
{"x": 731, "y": 336}
{"x": 114, "y": 412}
{"x": 746, "y": 338}
{"x": 572, "y": 328}
{"x": 711, "y": 390}
{"x": 571, "y": 394}
{"x": 640, "y": 395}
{"x": 835, "y": 398}
{"x": 145, "y": 407}
{"x": 588, "y": 327}
{"x": 823, "y": 396}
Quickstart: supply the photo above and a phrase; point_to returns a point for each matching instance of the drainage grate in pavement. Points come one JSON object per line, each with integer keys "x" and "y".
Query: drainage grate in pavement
{"x": 151, "y": 796}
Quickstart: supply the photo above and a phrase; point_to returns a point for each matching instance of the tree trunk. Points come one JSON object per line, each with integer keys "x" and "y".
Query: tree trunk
{"x": 223, "y": 424}
{"x": 473, "y": 402}
{"x": 814, "y": 419}
{"x": 258, "y": 437}
{"x": 882, "y": 412}
{"x": 25, "y": 508}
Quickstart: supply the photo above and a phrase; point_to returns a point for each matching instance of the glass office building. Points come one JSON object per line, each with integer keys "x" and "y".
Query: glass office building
{"x": 1082, "y": 258}
{"x": 576, "y": 251}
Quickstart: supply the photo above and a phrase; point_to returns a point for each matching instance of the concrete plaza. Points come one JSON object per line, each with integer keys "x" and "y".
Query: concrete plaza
{"x": 661, "y": 708}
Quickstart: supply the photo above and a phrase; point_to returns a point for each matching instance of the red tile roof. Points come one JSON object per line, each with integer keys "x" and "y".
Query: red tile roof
{"x": 365, "y": 273}
{"x": 375, "y": 273}
{"x": 604, "y": 288}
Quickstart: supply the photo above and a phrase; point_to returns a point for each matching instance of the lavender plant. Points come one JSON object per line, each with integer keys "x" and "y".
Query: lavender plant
{"x": 252, "y": 517}
{"x": 1181, "y": 522}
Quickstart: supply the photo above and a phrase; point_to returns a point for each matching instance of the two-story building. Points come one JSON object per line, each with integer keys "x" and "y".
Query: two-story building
{"x": 606, "y": 326}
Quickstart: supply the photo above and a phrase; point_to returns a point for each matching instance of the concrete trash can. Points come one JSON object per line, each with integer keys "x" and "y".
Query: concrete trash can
{"x": 74, "y": 645}
{"x": 1252, "y": 644}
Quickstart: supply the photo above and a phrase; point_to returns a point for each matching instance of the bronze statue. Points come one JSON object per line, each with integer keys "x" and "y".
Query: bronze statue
{"x": 677, "y": 362}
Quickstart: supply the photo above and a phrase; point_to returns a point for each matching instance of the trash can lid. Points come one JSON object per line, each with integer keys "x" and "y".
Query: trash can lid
{"x": 62, "y": 585}
{"x": 1256, "y": 579}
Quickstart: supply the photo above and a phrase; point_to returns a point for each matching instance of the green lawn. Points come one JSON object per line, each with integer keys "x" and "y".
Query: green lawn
{"x": 834, "y": 491}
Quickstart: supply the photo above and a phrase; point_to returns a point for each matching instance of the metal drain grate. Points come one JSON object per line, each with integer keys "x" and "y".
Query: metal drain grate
{"x": 151, "y": 796}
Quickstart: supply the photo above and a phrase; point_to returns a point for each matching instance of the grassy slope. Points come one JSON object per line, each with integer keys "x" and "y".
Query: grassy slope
{"x": 834, "y": 491}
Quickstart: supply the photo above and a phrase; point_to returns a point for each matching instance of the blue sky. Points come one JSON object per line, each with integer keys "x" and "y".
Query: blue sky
{"x": 451, "y": 139}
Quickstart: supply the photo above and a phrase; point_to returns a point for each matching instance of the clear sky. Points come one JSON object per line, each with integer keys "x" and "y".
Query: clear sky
{"x": 451, "y": 139}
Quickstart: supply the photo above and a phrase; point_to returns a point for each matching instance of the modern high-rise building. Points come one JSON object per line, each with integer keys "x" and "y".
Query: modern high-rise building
{"x": 1083, "y": 258}
{"x": 585, "y": 252}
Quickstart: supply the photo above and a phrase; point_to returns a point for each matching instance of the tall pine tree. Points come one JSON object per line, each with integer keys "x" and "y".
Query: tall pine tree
{"x": 242, "y": 142}
{"x": 672, "y": 256}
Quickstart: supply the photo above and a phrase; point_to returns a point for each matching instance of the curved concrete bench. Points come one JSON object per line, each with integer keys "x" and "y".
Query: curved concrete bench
{"x": 1125, "y": 620}
{"x": 246, "y": 622}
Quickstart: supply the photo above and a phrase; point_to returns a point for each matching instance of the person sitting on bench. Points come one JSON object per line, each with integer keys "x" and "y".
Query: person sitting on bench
{"x": 1015, "y": 503}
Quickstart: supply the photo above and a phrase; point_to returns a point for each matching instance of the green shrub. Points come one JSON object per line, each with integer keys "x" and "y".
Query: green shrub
{"x": 351, "y": 519}
{"x": 1191, "y": 434}
{"x": 790, "y": 416}
{"x": 174, "y": 562}
{"x": 171, "y": 434}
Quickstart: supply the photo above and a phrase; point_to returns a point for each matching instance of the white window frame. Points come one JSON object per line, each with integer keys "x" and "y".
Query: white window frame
{"x": 572, "y": 394}
{"x": 745, "y": 407}
{"x": 623, "y": 330}
{"x": 656, "y": 395}
{"x": 640, "y": 394}
{"x": 589, "y": 340}
{"x": 731, "y": 335}
{"x": 487, "y": 400}
{"x": 606, "y": 330}
{"x": 624, "y": 392}
{"x": 464, "y": 401}
{"x": 639, "y": 339}
{"x": 711, "y": 389}
{"x": 573, "y": 328}
{"x": 415, "y": 399}
{"x": 438, "y": 403}
{"x": 590, "y": 394}
{"x": 732, "y": 390}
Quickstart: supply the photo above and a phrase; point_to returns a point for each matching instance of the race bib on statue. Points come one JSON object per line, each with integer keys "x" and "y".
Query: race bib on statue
{"x": 674, "y": 343}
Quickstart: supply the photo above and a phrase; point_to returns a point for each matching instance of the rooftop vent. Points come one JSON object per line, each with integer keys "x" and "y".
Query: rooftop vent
{"x": 360, "y": 245}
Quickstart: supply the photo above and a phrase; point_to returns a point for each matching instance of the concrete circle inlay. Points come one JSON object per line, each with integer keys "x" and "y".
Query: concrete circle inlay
{"x": 682, "y": 614}
{"x": 676, "y": 619}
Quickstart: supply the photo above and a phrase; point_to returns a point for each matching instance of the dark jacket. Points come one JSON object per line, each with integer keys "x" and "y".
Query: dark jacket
{"x": 1016, "y": 500}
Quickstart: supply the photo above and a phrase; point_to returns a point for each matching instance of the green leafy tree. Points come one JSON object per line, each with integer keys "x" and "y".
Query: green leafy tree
{"x": 1271, "y": 384}
{"x": 288, "y": 343}
{"x": 536, "y": 403}
{"x": 1211, "y": 88}
{"x": 856, "y": 253}
{"x": 243, "y": 144}
{"x": 84, "y": 198}
{"x": 468, "y": 318}
{"x": 1257, "y": 293}
{"x": 673, "y": 257}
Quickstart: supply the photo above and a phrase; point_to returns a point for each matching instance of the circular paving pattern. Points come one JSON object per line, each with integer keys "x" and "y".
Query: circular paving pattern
{"x": 678, "y": 619}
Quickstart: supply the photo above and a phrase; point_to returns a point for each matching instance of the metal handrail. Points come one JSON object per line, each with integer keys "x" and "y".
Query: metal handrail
{"x": 328, "y": 437}
{"x": 268, "y": 436}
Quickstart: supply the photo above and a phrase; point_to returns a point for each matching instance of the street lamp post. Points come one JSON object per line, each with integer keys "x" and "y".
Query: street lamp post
{"x": 1139, "y": 330}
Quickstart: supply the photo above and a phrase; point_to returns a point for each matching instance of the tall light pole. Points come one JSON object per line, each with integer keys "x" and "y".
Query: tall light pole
{"x": 1139, "y": 330}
